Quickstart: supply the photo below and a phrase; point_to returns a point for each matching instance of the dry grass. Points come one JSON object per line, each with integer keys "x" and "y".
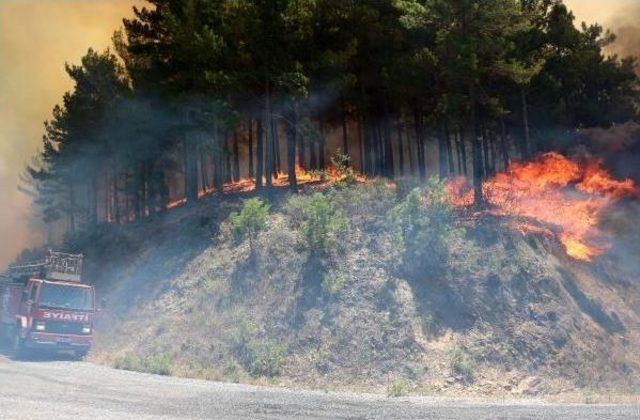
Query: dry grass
{"x": 510, "y": 316}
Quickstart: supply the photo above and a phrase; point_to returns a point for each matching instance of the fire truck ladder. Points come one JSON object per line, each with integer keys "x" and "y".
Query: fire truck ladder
{"x": 57, "y": 266}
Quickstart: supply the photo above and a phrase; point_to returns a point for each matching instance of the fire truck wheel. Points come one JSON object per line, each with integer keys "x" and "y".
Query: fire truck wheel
{"x": 80, "y": 354}
{"x": 19, "y": 351}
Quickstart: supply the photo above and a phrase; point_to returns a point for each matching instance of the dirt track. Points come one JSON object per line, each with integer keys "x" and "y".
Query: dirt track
{"x": 71, "y": 390}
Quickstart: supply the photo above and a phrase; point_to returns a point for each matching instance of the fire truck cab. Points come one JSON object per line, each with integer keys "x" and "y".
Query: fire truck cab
{"x": 47, "y": 307}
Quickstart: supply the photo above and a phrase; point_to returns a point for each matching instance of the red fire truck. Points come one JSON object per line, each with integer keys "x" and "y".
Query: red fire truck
{"x": 45, "y": 306}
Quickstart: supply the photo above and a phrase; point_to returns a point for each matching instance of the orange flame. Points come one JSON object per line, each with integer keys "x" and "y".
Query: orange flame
{"x": 303, "y": 177}
{"x": 554, "y": 191}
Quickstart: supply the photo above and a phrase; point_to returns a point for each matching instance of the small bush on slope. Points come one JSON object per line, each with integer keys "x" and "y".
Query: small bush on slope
{"x": 157, "y": 364}
{"x": 250, "y": 221}
{"x": 260, "y": 357}
{"x": 424, "y": 229}
{"x": 462, "y": 363}
{"x": 322, "y": 224}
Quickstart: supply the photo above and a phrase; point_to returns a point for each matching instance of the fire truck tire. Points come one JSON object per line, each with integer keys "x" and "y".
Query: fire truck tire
{"x": 80, "y": 354}
{"x": 19, "y": 351}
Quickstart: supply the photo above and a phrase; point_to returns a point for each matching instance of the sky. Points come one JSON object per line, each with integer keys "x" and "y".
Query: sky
{"x": 600, "y": 11}
{"x": 37, "y": 37}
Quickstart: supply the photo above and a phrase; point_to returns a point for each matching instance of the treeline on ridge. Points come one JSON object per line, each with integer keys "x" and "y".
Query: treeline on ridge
{"x": 199, "y": 93}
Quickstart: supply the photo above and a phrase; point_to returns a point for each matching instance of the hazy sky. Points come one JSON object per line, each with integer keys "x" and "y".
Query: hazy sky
{"x": 600, "y": 11}
{"x": 36, "y": 38}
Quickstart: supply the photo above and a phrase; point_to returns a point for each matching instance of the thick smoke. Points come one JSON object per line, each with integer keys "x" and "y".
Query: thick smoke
{"x": 36, "y": 39}
{"x": 622, "y": 17}
{"x": 625, "y": 23}
{"x": 619, "y": 146}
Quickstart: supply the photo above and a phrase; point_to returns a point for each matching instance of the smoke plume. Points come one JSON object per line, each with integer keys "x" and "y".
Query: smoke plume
{"x": 36, "y": 39}
{"x": 626, "y": 25}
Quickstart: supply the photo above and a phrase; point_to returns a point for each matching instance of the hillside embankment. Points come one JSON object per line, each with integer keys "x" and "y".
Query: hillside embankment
{"x": 342, "y": 289}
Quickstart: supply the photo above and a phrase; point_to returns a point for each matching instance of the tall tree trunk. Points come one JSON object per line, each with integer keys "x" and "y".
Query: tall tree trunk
{"x": 485, "y": 150}
{"x": 93, "y": 194}
{"x": 345, "y": 131}
{"x": 204, "y": 175}
{"x": 361, "y": 144}
{"x": 236, "y": 156}
{"x": 412, "y": 160}
{"x": 379, "y": 164}
{"x": 250, "y": 132}
{"x": 117, "y": 213}
{"x": 313, "y": 157}
{"x": 145, "y": 186}
{"x": 525, "y": 125}
{"x": 389, "y": 170}
{"x": 503, "y": 144}
{"x": 492, "y": 149}
{"x": 191, "y": 168}
{"x": 227, "y": 158}
{"x": 71, "y": 211}
{"x": 322, "y": 162}
{"x": 163, "y": 192}
{"x": 108, "y": 203}
{"x": 268, "y": 119}
{"x": 463, "y": 153}
{"x": 475, "y": 149}
{"x": 456, "y": 139}
{"x": 218, "y": 169}
{"x": 149, "y": 197}
{"x": 292, "y": 131}
{"x": 276, "y": 148}
{"x": 301, "y": 150}
{"x": 259, "y": 156}
{"x": 442, "y": 152}
{"x": 139, "y": 192}
{"x": 417, "y": 119}
{"x": 368, "y": 149}
{"x": 127, "y": 202}
{"x": 447, "y": 134}
{"x": 400, "y": 149}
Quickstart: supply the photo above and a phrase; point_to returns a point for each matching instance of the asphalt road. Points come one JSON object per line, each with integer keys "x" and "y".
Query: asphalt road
{"x": 74, "y": 390}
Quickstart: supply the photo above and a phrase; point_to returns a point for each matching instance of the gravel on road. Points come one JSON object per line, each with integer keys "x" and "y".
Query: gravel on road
{"x": 77, "y": 390}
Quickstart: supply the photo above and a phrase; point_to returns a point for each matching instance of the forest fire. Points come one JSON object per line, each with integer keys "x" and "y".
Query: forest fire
{"x": 553, "y": 191}
{"x": 330, "y": 175}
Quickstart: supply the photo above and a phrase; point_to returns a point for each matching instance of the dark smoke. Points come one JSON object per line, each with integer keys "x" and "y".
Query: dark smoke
{"x": 619, "y": 147}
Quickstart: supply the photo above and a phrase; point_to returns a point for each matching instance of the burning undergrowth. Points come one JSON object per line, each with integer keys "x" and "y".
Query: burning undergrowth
{"x": 553, "y": 195}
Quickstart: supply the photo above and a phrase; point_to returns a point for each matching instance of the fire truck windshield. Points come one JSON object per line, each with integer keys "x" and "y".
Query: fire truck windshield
{"x": 61, "y": 296}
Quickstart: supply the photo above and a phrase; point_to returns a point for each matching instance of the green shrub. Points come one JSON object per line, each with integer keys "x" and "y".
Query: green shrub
{"x": 333, "y": 282}
{"x": 158, "y": 363}
{"x": 462, "y": 363}
{"x": 321, "y": 223}
{"x": 250, "y": 221}
{"x": 340, "y": 162}
{"x": 397, "y": 388}
{"x": 129, "y": 362}
{"x": 259, "y": 357}
{"x": 424, "y": 228}
{"x": 365, "y": 205}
